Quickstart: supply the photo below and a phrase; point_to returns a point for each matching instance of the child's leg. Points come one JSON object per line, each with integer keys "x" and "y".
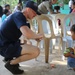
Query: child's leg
{"x": 71, "y": 62}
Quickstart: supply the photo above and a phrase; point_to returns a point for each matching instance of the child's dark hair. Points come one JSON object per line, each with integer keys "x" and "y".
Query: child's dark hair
{"x": 73, "y": 28}
{"x": 57, "y": 7}
{"x": 5, "y": 11}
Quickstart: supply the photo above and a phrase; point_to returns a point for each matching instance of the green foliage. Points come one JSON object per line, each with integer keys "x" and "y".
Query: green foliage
{"x": 58, "y": 1}
{"x": 66, "y": 1}
{"x": 12, "y": 3}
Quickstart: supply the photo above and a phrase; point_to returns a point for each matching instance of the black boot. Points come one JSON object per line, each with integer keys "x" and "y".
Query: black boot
{"x": 8, "y": 59}
{"x": 13, "y": 68}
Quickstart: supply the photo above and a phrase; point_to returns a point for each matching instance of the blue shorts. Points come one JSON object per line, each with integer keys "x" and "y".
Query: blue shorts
{"x": 71, "y": 62}
{"x": 11, "y": 50}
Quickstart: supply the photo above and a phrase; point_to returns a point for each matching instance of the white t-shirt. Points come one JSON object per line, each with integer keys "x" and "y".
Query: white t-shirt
{"x": 70, "y": 3}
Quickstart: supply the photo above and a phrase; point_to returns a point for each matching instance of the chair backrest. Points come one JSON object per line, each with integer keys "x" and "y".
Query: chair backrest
{"x": 52, "y": 17}
{"x": 61, "y": 17}
{"x": 40, "y": 20}
{"x": 71, "y": 19}
{"x": 57, "y": 19}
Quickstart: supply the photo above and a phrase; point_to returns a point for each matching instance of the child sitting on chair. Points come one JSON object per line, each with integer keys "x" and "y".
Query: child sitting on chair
{"x": 70, "y": 52}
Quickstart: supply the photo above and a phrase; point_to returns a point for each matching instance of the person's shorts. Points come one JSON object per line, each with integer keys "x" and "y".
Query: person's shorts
{"x": 71, "y": 62}
{"x": 11, "y": 50}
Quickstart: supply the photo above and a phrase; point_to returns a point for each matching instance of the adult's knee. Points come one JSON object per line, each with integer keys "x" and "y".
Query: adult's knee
{"x": 37, "y": 52}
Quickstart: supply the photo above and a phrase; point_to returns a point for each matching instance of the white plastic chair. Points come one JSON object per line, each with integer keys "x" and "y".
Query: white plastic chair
{"x": 66, "y": 29}
{"x": 60, "y": 30}
{"x": 47, "y": 37}
{"x": 67, "y": 40}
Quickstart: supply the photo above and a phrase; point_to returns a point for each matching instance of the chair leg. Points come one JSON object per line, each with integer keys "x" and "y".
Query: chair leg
{"x": 51, "y": 46}
{"x": 46, "y": 44}
{"x": 63, "y": 48}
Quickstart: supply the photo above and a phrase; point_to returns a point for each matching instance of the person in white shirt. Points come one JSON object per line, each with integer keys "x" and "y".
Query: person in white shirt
{"x": 70, "y": 5}
{"x": 46, "y": 6}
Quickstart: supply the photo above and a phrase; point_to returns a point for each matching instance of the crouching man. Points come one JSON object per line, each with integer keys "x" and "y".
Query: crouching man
{"x": 12, "y": 28}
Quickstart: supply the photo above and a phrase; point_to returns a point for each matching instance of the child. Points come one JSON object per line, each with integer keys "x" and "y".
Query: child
{"x": 70, "y": 52}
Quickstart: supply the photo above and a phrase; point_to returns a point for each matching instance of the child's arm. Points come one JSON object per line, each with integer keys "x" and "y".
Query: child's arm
{"x": 67, "y": 52}
{"x": 72, "y": 55}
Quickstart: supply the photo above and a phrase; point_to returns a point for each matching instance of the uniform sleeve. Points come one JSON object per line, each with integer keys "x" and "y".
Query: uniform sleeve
{"x": 20, "y": 20}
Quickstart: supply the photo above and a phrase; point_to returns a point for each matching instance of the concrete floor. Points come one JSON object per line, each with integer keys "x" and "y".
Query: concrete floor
{"x": 38, "y": 67}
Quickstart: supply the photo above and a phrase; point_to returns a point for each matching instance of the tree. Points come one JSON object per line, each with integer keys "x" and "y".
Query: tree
{"x": 12, "y": 3}
{"x": 38, "y": 1}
